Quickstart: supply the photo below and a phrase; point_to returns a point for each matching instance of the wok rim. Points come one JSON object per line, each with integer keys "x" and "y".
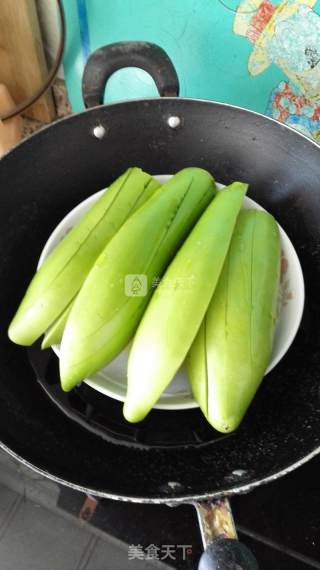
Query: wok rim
{"x": 158, "y": 99}
{"x": 183, "y": 499}
{"x": 174, "y": 501}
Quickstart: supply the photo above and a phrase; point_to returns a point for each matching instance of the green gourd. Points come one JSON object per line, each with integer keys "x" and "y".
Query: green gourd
{"x": 114, "y": 296}
{"x": 177, "y": 308}
{"x": 232, "y": 350}
{"x": 60, "y": 277}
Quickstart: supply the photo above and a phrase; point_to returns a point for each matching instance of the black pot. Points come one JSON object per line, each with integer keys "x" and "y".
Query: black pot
{"x": 80, "y": 439}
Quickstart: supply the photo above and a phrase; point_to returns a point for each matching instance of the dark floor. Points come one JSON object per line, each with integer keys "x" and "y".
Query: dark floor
{"x": 43, "y": 526}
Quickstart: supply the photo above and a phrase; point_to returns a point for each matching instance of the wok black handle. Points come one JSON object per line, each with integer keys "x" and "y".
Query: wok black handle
{"x": 105, "y": 61}
{"x": 227, "y": 554}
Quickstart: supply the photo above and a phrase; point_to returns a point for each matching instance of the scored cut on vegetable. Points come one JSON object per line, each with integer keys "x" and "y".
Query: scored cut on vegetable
{"x": 177, "y": 308}
{"x": 108, "y": 309}
{"x": 63, "y": 272}
{"x": 54, "y": 333}
{"x": 232, "y": 350}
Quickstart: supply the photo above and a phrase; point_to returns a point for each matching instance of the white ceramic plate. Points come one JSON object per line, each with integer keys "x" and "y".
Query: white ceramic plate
{"x": 111, "y": 380}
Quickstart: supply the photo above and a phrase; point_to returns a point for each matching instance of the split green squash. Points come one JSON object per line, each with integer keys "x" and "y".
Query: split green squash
{"x": 232, "y": 350}
{"x": 65, "y": 269}
{"x": 117, "y": 290}
{"x": 177, "y": 308}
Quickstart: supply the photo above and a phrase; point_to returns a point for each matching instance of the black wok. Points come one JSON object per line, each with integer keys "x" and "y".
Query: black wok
{"x": 80, "y": 439}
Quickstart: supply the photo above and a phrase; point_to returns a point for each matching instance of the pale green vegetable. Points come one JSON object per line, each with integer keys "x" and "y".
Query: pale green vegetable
{"x": 54, "y": 333}
{"x": 114, "y": 296}
{"x": 177, "y": 308}
{"x": 60, "y": 277}
{"x": 232, "y": 350}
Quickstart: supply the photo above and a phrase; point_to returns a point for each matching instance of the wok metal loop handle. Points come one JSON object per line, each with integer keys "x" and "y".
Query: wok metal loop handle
{"x": 219, "y": 537}
{"x": 105, "y": 61}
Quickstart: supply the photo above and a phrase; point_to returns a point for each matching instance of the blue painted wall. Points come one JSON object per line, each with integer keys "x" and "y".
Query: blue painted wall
{"x": 210, "y": 58}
